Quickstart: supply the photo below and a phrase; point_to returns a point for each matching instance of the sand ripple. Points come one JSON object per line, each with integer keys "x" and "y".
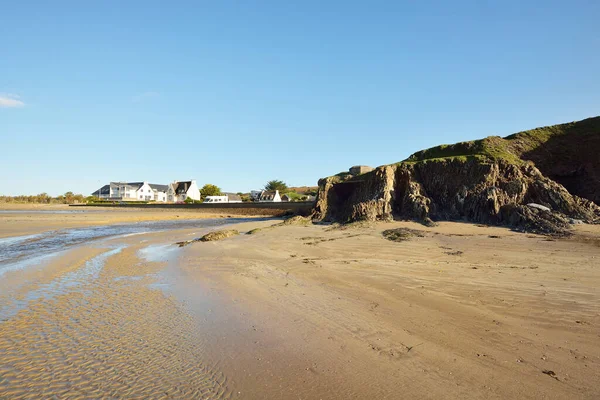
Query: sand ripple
{"x": 105, "y": 338}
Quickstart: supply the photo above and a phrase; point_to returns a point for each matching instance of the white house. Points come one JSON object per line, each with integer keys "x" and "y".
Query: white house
{"x": 160, "y": 192}
{"x": 152, "y": 192}
{"x": 132, "y": 191}
{"x": 255, "y": 194}
{"x": 179, "y": 191}
{"x": 268, "y": 196}
{"x": 225, "y": 198}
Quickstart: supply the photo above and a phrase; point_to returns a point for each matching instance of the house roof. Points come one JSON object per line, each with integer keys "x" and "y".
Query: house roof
{"x": 267, "y": 195}
{"x": 159, "y": 187}
{"x": 103, "y": 189}
{"x": 181, "y": 187}
{"x": 128, "y": 186}
{"x": 232, "y": 196}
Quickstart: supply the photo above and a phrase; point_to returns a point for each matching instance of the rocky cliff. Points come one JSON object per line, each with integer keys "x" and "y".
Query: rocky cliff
{"x": 493, "y": 181}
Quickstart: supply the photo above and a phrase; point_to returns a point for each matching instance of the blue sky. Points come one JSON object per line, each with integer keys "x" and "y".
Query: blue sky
{"x": 237, "y": 93}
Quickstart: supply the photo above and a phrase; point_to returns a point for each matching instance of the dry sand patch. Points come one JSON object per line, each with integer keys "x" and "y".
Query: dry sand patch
{"x": 455, "y": 313}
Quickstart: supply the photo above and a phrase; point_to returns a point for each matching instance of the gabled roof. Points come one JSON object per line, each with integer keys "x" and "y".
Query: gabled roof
{"x": 267, "y": 195}
{"x": 233, "y": 196}
{"x": 181, "y": 187}
{"x": 104, "y": 190}
{"x": 158, "y": 187}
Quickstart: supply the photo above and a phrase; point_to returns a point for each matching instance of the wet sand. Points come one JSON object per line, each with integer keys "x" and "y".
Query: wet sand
{"x": 27, "y": 219}
{"x": 309, "y": 312}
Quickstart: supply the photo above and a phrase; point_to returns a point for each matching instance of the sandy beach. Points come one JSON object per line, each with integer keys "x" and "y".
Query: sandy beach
{"x": 309, "y": 312}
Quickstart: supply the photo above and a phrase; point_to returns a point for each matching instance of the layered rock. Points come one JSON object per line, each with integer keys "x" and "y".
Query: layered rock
{"x": 475, "y": 189}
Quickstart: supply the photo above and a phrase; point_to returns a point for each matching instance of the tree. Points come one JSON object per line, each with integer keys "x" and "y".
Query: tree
{"x": 210, "y": 190}
{"x": 69, "y": 197}
{"x": 276, "y": 185}
{"x": 43, "y": 198}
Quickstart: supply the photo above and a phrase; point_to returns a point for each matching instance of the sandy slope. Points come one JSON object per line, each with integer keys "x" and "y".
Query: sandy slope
{"x": 309, "y": 312}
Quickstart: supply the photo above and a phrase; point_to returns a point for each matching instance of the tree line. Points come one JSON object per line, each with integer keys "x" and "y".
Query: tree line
{"x": 45, "y": 198}
{"x": 213, "y": 190}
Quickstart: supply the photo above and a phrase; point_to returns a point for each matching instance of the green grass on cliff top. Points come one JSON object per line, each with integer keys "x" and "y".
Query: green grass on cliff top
{"x": 510, "y": 149}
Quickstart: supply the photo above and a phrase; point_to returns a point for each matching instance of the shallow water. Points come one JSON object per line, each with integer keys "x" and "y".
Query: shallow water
{"x": 18, "y": 252}
{"x": 62, "y": 285}
{"x": 118, "y": 324}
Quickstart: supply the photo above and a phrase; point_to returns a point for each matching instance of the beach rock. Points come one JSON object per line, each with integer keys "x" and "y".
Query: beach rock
{"x": 219, "y": 235}
{"x": 534, "y": 220}
{"x": 539, "y": 207}
{"x": 401, "y": 234}
{"x": 495, "y": 193}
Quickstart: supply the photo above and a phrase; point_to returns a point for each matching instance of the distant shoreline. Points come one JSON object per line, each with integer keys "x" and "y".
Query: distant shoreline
{"x": 27, "y": 219}
{"x": 297, "y": 205}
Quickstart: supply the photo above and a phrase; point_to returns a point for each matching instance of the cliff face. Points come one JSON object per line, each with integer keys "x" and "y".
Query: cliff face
{"x": 481, "y": 181}
{"x": 570, "y": 157}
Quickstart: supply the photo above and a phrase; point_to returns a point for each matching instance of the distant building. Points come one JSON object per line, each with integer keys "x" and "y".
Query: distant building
{"x": 132, "y": 191}
{"x": 360, "y": 169}
{"x": 233, "y": 197}
{"x": 225, "y": 198}
{"x": 270, "y": 197}
{"x": 285, "y": 197}
{"x": 255, "y": 195}
{"x": 179, "y": 191}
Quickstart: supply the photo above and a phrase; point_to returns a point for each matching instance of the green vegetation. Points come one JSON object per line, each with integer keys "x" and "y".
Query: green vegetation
{"x": 245, "y": 197}
{"x": 293, "y": 196}
{"x": 44, "y": 198}
{"x": 492, "y": 148}
{"x": 276, "y": 185}
{"x": 210, "y": 190}
{"x": 510, "y": 149}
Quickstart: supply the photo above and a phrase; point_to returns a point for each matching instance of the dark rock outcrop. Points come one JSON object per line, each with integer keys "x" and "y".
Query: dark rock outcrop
{"x": 472, "y": 189}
